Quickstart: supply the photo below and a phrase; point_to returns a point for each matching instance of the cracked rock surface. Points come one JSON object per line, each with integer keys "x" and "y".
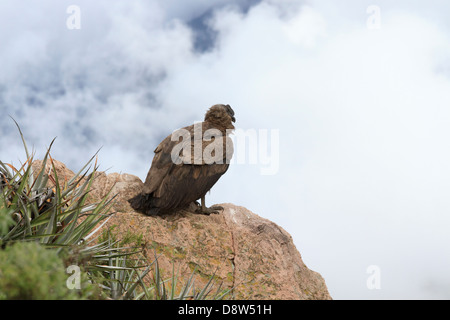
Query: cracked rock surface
{"x": 246, "y": 252}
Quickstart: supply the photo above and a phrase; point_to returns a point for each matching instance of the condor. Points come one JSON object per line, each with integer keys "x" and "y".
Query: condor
{"x": 172, "y": 185}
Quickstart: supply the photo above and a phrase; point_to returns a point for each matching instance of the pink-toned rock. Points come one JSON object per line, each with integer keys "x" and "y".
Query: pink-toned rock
{"x": 244, "y": 251}
{"x": 266, "y": 261}
{"x": 64, "y": 174}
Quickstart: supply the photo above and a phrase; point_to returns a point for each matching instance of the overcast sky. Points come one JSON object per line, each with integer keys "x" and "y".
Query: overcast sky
{"x": 353, "y": 96}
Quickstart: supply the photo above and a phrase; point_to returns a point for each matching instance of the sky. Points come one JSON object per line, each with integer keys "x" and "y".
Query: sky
{"x": 342, "y": 109}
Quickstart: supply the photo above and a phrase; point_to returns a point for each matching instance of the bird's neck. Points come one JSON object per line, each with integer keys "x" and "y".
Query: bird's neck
{"x": 224, "y": 128}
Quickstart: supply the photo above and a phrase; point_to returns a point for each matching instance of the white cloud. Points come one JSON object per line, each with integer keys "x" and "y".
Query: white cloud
{"x": 363, "y": 120}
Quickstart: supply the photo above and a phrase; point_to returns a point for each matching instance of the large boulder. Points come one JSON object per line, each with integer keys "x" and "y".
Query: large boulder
{"x": 244, "y": 251}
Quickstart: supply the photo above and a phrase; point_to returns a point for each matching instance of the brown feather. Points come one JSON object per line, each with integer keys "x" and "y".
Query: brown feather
{"x": 170, "y": 186}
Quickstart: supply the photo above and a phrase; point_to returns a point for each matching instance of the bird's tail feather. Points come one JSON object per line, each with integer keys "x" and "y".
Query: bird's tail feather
{"x": 143, "y": 203}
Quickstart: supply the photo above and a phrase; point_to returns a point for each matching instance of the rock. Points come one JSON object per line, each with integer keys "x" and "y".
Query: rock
{"x": 124, "y": 186}
{"x": 64, "y": 174}
{"x": 242, "y": 250}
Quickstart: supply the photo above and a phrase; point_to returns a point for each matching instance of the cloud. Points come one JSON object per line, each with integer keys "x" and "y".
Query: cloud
{"x": 90, "y": 87}
{"x": 363, "y": 121}
{"x": 362, "y": 115}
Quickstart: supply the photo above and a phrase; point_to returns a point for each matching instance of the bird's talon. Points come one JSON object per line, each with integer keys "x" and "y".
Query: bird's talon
{"x": 210, "y": 210}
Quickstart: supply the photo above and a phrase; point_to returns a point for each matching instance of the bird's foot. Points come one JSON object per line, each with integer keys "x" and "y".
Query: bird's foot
{"x": 210, "y": 210}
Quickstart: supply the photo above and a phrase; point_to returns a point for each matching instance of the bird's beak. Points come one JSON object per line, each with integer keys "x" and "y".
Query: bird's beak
{"x": 233, "y": 119}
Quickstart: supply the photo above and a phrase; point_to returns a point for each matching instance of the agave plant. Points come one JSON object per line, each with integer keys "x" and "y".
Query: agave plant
{"x": 188, "y": 290}
{"x": 34, "y": 205}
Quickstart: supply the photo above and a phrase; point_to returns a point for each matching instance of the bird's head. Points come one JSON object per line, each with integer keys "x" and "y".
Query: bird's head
{"x": 221, "y": 115}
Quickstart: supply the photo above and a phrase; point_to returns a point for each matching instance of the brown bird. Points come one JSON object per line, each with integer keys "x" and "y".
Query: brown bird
{"x": 187, "y": 164}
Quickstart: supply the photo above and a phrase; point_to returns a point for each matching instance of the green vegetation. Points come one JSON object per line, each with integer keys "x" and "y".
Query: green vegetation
{"x": 50, "y": 247}
{"x": 29, "y": 271}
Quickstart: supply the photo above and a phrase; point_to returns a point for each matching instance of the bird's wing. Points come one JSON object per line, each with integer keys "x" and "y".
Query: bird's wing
{"x": 188, "y": 158}
{"x": 162, "y": 163}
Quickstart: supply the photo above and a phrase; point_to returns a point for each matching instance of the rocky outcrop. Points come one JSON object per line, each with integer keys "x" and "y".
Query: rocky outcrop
{"x": 242, "y": 250}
